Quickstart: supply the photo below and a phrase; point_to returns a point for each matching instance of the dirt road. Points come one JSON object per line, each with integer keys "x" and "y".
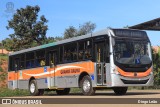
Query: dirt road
{"x": 138, "y": 94}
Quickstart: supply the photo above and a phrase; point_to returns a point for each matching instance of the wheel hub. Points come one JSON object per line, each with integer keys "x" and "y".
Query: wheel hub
{"x": 32, "y": 88}
{"x": 86, "y": 86}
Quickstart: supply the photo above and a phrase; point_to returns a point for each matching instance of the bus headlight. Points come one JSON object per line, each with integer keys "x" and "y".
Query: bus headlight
{"x": 115, "y": 70}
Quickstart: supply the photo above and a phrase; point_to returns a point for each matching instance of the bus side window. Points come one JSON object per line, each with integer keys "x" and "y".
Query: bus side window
{"x": 30, "y": 60}
{"x": 62, "y": 54}
{"x": 22, "y": 62}
{"x": 70, "y": 52}
{"x": 85, "y": 50}
{"x": 40, "y": 58}
{"x": 16, "y": 64}
{"x": 51, "y": 59}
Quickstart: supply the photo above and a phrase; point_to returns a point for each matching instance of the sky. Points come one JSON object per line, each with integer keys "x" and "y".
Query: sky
{"x": 104, "y": 13}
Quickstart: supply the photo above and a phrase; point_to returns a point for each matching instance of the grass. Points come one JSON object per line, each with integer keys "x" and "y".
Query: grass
{"x": 5, "y": 92}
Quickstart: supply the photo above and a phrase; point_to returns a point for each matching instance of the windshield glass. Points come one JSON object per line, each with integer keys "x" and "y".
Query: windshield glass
{"x": 127, "y": 51}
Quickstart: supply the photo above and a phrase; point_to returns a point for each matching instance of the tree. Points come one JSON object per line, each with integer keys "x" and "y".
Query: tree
{"x": 8, "y": 44}
{"x": 28, "y": 30}
{"x": 156, "y": 64}
{"x": 50, "y": 40}
{"x": 70, "y": 32}
{"x": 86, "y": 28}
{"x": 58, "y": 38}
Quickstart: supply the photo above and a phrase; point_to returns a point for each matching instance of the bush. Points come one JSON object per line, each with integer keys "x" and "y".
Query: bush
{"x": 5, "y": 92}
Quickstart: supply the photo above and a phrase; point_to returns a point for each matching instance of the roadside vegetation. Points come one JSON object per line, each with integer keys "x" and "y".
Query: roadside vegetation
{"x": 156, "y": 67}
{"x": 5, "y": 92}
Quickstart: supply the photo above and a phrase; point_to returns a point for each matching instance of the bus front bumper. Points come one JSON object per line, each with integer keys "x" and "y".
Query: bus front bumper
{"x": 119, "y": 81}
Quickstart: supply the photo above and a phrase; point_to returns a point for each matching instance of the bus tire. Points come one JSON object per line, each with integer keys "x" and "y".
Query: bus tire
{"x": 120, "y": 90}
{"x": 33, "y": 89}
{"x": 86, "y": 86}
{"x": 63, "y": 92}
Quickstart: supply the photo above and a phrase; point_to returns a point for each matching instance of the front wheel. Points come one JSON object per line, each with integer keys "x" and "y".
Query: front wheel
{"x": 86, "y": 86}
{"x": 120, "y": 90}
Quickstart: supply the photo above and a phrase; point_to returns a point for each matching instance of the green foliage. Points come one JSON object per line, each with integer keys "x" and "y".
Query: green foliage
{"x": 50, "y": 39}
{"x": 4, "y": 92}
{"x": 3, "y": 57}
{"x": 8, "y": 44}
{"x": 70, "y": 32}
{"x": 58, "y": 38}
{"x": 156, "y": 63}
{"x": 28, "y": 30}
{"x": 1, "y": 70}
{"x": 86, "y": 28}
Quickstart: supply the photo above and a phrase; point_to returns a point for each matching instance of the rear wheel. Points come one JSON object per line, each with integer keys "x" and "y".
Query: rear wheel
{"x": 86, "y": 86}
{"x": 63, "y": 92}
{"x": 120, "y": 90}
{"x": 33, "y": 89}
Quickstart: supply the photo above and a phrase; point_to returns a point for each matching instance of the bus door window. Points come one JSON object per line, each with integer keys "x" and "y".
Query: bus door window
{"x": 100, "y": 52}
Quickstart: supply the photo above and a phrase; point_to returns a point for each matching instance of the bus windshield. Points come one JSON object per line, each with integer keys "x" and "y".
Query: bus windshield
{"x": 129, "y": 51}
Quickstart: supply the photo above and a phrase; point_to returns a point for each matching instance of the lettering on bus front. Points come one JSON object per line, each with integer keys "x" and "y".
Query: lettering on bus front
{"x": 68, "y": 71}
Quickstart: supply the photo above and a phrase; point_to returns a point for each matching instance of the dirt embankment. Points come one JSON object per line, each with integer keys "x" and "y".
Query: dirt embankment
{"x": 3, "y": 73}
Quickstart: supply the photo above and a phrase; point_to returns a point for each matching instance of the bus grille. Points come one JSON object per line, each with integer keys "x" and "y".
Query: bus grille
{"x": 135, "y": 81}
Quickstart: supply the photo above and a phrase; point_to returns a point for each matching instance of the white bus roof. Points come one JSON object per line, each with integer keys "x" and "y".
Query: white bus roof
{"x": 102, "y": 32}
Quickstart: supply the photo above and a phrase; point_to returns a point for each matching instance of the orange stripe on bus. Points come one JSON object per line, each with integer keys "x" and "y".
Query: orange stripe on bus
{"x": 132, "y": 74}
{"x": 74, "y": 69}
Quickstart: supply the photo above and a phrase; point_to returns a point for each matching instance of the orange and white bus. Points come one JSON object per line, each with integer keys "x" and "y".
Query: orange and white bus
{"x": 113, "y": 58}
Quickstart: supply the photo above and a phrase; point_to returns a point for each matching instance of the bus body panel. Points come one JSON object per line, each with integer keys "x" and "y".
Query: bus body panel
{"x": 61, "y": 76}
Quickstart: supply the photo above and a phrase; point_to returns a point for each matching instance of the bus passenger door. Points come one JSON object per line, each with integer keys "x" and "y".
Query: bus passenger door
{"x": 52, "y": 63}
{"x": 16, "y": 70}
{"x": 100, "y": 62}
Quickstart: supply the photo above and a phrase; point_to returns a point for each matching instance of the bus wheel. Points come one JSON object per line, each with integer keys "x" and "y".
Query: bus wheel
{"x": 33, "y": 89}
{"x": 63, "y": 92}
{"x": 120, "y": 90}
{"x": 86, "y": 86}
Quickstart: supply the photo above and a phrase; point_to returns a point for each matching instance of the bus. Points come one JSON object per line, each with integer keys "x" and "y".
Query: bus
{"x": 110, "y": 58}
